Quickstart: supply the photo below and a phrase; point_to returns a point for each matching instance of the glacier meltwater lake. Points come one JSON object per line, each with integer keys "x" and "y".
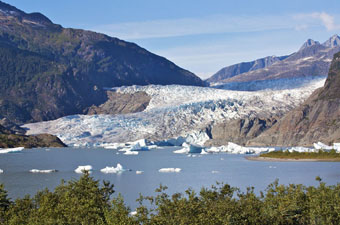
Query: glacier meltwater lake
{"x": 196, "y": 172}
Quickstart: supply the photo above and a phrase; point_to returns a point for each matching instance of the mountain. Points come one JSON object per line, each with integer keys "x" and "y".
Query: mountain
{"x": 309, "y": 43}
{"x": 332, "y": 42}
{"x": 48, "y": 71}
{"x": 312, "y": 59}
{"x": 236, "y": 69}
{"x": 317, "y": 119}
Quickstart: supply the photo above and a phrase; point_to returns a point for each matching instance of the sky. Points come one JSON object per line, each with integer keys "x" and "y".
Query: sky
{"x": 199, "y": 35}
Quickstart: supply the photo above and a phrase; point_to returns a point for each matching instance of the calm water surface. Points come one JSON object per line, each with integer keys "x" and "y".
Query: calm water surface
{"x": 199, "y": 171}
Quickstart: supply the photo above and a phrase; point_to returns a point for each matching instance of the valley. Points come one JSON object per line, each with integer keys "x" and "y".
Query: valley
{"x": 121, "y": 98}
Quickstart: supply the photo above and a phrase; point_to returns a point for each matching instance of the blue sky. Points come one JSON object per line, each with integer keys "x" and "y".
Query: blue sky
{"x": 201, "y": 36}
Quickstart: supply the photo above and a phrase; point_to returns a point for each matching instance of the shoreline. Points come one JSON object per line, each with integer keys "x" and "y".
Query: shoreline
{"x": 268, "y": 159}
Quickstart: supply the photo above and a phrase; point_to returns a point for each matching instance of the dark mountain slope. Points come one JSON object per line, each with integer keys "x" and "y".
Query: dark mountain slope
{"x": 49, "y": 71}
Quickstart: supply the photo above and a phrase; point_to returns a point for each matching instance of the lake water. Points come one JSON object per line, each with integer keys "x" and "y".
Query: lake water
{"x": 199, "y": 171}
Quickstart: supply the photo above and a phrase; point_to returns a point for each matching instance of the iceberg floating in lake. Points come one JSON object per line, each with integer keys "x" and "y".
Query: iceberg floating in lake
{"x": 170, "y": 170}
{"x": 117, "y": 169}
{"x": 237, "y": 149}
{"x": 194, "y": 138}
{"x": 189, "y": 148}
{"x": 11, "y": 150}
{"x": 113, "y": 145}
{"x": 322, "y": 146}
{"x": 336, "y": 146}
{"x": 83, "y": 169}
{"x": 139, "y": 145}
{"x": 182, "y": 151}
{"x": 301, "y": 149}
{"x": 42, "y": 171}
{"x": 195, "y": 148}
{"x": 139, "y": 172}
{"x": 128, "y": 152}
{"x": 203, "y": 152}
{"x": 1, "y": 171}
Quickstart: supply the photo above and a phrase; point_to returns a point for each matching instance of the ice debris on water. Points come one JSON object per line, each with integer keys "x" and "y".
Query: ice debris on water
{"x": 83, "y": 169}
{"x": 113, "y": 145}
{"x": 130, "y": 152}
{"x": 321, "y": 146}
{"x": 11, "y": 150}
{"x": 118, "y": 169}
{"x": 170, "y": 170}
{"x": 43, "y": 171}
{"x": 1, "y": 171}
{"x": 130, "y": 147}
{"x": 139, "y": 172}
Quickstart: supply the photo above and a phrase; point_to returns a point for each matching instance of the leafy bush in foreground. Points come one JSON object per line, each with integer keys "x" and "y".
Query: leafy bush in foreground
{"x": 85, "y": 201}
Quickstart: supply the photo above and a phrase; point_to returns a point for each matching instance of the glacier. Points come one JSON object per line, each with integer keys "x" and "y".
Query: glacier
{"x": 175, "y": 113}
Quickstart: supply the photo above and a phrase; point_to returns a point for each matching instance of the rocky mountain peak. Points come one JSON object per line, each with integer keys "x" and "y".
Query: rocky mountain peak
{"x": 332, "y": 41}
{"x": 6, "y": 8}
{"x": 308, "y": 43}
{"x": 35, "y": 17}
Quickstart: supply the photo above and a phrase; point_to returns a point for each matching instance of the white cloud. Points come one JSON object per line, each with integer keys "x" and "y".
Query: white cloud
{"x": 316, "y": 18}
{"x": 327, "y": 20}
{"x": 193, "y": 26}
{"x": 246, "y": 38}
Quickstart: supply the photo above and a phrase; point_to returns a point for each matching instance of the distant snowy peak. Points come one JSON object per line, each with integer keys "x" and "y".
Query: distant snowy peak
{"x": 332, "y": 42}
{"x": 308, "y": 43}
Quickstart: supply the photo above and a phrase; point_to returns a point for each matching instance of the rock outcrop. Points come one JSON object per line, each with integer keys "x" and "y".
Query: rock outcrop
{"x": 37, "y": 141}
{"x": 317, "y": 119}
{"x": 10, "y": 138}
{"x": 238, "y": 130}
{"x": 121, "y": 103}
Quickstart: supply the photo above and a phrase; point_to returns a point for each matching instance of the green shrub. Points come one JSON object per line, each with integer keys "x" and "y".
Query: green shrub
{"x": 85, "y": 201}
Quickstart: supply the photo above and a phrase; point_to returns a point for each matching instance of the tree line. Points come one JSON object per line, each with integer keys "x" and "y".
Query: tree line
{"x": 87, "y": 201}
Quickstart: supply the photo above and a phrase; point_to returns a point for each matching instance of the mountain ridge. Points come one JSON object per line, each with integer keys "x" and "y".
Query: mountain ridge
{"x": 49, "y": 71}
{"x": 311, "y": 59}
{"x": 239, "y": 68}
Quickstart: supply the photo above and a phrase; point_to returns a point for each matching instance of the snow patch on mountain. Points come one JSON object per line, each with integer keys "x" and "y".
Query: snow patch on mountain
{"x": 174, "y": 110}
